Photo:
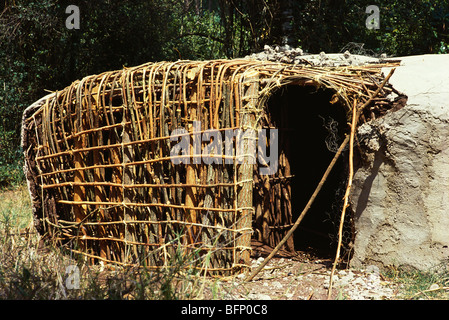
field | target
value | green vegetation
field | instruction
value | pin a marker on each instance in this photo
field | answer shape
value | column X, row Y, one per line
column 15, row 208
column 38, row 53
column 28, row 272
column 416, row 285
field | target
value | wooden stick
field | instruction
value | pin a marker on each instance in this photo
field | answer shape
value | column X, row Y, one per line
column 346, row 197
column 355, row 116
column 71, row 224
column 127, row 164
column 79, row 191
column 138, row 204
column 429, row 290
column 137, row 185
column 245, row 171
column 117, row 145
column 191, row 178
column 375, row 93
column 303, row 213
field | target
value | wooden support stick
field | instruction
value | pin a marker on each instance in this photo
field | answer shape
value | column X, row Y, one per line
column 191, row 179
column 245, row 171
column 355, row 117
column 303, row 213
column 346, row 197
column 79, row 192
column 99, row 192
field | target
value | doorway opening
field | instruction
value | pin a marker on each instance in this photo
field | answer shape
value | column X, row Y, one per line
column 310, row 130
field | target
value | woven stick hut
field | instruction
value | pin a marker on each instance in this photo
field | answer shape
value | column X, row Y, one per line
column 105, row 179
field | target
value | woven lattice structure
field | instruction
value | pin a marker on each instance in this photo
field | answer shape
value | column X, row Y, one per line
column 104, row 179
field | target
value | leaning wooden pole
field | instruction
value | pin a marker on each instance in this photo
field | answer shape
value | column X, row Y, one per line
column 303, row 213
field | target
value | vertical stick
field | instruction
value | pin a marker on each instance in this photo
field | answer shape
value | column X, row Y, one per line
column 207, row 218
column 79, row 191
column 99, row 177
column 100, row 197
column 127, row 194
column 346, row 197
column 245, row 170
column 226, row 175
column 129, row 132
column 266, row 210
column 117, row 248
column 191, row 180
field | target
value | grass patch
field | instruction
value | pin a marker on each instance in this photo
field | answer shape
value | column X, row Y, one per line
column 15, row 208
column 420, row 285
column 30, row 269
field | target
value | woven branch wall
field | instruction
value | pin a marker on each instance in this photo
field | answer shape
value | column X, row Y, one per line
column 103, row 181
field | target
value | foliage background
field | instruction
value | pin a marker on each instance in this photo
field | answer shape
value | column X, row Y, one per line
column 38, row 53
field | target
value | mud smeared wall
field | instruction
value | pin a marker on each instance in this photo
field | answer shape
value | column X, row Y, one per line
column 400, row 193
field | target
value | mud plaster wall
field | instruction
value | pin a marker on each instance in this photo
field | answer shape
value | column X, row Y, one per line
column 400, row 194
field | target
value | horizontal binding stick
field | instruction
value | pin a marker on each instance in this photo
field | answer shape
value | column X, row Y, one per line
column 158, row 246
column 116, row 145
column 70, row 224
column 137, row 185
column 135, row 163
column 130, row 204
column 147, row 267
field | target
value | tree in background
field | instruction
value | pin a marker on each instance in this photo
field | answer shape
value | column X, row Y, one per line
column 38, row 52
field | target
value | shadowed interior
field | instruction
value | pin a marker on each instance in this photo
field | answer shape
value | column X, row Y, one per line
column 310, row 131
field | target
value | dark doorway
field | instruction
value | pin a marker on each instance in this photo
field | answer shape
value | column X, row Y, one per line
column 310, row 132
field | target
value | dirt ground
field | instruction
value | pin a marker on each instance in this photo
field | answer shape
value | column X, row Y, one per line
column 305, row 277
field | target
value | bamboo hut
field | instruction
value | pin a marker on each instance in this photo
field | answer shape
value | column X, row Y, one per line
column 109, row 180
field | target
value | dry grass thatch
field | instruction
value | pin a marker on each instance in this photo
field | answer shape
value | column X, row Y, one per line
column 102, row 179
